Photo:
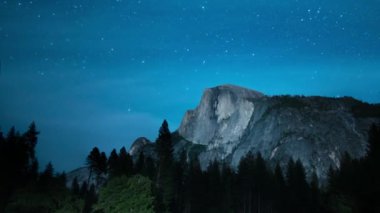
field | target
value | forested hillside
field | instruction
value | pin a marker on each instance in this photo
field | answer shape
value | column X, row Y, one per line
column 180, row 185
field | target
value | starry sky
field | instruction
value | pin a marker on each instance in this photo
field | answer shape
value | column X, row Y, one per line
column 104, row 72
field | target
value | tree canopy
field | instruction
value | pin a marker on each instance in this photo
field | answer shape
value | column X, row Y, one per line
column 126, row 194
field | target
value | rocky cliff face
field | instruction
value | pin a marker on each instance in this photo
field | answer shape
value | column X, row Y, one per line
column 230, row 121
column 221, row 118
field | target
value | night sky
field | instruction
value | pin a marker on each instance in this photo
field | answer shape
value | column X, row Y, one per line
column 102, row 73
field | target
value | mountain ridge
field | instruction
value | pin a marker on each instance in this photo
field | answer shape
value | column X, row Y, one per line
column 231, row 121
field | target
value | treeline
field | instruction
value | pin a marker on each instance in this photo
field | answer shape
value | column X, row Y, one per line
column 355, row 187
column 178, row 184
column 22, row 187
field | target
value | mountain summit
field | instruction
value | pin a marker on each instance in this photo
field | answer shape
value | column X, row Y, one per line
column 231, row 121
column 222, row 115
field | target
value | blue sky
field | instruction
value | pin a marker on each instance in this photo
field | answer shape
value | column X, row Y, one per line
column 102, row 73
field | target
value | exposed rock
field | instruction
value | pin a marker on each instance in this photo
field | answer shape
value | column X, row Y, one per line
column 138, row 145
column 180, row 145
column 82, row 175
column 142, row 145
column 231, row 121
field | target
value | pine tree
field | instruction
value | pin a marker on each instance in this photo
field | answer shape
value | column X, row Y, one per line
column 97, row 163
column 90, row 199
column 228, row 185
column 126, row 163
column 139, row 166
column 261, row 183
column 12, row 134
column 165, row 182
column 103, row 163
column 83, row 189
column 291, row 184
column 245, row 183
column 315, row 193
column 374, row 144
column 180, row 171
column 102, row 169
column 61, row 179
column 114, row 164
column 298, row 187
column 46, row 177
column 279, row 189
column 75, row 186
column 93, row 162
column 214, row 187
column 31, row 137
column 49, row 170
column 149, row 169
column 34, row 170
column 195, row 188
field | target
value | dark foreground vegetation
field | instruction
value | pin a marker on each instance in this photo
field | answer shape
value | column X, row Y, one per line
column 169, row 184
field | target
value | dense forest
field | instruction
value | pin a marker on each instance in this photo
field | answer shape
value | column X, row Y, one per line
column 178, row 184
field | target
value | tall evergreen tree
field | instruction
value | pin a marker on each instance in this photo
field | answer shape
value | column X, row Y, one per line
column 195, row 188
column 97, row 163
column 103, row 163
column 139, row 166
column 262, row 185
column 374, row 144
column 34, row 170
column 180, row 171
column 114, row 164
column 93, row 160
column 165, row 182
column 315, row 195
column 101, row 172
column 75, row 186
column 83, row 189
column 279, row 189
column 298, row 187
column 149, row 169
column 373, row 165
column 31, row 137
column 90, row 199
column 46, row 177
column 228, row 185
column 214, row 187
column 246, row 183
column 126, row 162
